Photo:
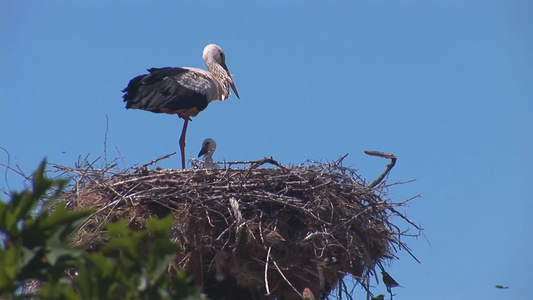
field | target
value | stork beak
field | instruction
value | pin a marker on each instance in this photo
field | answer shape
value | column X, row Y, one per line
column 234, row 89
column 231, row 82
column 202, row 151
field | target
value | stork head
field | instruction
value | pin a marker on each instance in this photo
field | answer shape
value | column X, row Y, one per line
column 215, row 61
column 208, row 147
column 214, row 52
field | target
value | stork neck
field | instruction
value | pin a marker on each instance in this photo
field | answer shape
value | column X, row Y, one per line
column 208, row 160
column 222, row 78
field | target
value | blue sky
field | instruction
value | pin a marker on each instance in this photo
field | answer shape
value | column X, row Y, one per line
column 446, row 86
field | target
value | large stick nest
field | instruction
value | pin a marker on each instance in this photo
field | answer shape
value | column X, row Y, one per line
column 253, row 232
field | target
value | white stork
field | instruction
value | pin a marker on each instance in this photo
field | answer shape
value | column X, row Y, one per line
column 182, row 91
column 208, row 148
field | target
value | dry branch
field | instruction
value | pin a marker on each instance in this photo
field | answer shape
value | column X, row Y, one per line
column 392, row 158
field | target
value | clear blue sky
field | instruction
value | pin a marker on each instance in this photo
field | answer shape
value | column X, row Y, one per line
column 446, row 86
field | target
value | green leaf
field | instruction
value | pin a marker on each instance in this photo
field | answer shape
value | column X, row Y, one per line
column 10, row 265
column 63, row 219
column 160, row 226
column 122, row 238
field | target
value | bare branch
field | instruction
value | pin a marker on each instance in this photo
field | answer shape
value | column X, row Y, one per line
column 389, row 166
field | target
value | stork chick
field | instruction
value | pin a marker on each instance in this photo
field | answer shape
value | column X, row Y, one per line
column 208, row 148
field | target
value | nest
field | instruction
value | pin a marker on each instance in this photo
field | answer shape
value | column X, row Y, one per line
column 253, row 232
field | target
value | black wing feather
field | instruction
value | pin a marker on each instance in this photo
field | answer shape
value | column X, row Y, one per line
column 162, row 91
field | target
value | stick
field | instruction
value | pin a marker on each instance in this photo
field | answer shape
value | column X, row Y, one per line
column 266, row 271
column 392, row 157
column 155, row 160
column 270, row 160
column 286, row 280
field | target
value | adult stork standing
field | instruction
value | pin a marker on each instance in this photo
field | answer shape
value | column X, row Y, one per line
column 182, row 91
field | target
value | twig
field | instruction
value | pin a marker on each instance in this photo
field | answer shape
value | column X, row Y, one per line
column 105, row 136
column 338, row 162
column 387, row 170
column 265, row 160
column 285, row 278
column 407, row 249
column 266, row 271
column 155, row 161
column 6, row 166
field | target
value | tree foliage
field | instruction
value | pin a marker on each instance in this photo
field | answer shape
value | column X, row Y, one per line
column 35, row 229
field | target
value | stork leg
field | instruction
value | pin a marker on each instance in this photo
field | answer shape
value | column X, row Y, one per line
column 182, row 141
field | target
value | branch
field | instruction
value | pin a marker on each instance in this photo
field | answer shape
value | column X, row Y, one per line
column 270, row 160
column 155, row 161
column 392, row 157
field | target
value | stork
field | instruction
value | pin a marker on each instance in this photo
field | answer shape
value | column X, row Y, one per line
column 208, row 148
column 182, row 91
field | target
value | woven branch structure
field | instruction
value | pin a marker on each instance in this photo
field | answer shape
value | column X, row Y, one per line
column 253, row 232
